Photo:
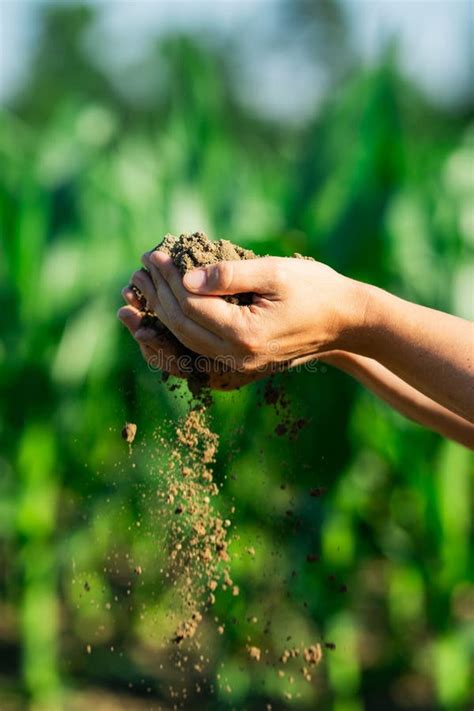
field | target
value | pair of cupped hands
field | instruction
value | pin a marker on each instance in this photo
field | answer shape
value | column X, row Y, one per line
column 301, row 310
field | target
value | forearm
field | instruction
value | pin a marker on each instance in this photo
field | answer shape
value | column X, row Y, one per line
column 401, row 396
column 428, row 349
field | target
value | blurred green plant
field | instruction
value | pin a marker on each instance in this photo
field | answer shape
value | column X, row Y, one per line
column 380, row 185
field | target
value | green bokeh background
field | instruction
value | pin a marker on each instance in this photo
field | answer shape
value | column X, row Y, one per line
column 379, row 184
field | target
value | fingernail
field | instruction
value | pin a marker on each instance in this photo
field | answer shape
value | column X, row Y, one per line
column 195, row 279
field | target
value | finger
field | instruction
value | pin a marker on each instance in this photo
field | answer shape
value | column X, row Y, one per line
column 261, row 276
column 156, row 259
column 143, row 281
column 131, row 317
column 130, row 297
column 147, row 283
column 213, row 314
column 191, row 334
column 158, row 351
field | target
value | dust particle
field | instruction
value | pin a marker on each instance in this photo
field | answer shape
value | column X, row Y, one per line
column 254, row 653
column 129, row 432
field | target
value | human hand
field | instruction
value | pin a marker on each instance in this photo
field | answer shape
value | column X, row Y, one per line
column 300, row 308
column 162, row 351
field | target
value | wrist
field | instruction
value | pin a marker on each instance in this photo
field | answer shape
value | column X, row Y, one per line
column 352, row 332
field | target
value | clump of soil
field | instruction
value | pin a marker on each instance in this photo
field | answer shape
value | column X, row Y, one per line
column 129, row 432
column 254, row 653
column 190, row 251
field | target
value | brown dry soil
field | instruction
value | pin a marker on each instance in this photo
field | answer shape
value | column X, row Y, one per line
column 129, row 432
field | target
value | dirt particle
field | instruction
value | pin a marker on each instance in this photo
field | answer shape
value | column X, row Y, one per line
column 129, row 432
column 313, row 654
column 289, row 654
column 254, row 653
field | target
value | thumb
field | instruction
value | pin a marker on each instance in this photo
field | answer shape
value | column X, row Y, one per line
column 234, row 277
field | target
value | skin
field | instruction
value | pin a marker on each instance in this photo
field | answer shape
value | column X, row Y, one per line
column 417, row 359
column 402, row 397
column 159, row 352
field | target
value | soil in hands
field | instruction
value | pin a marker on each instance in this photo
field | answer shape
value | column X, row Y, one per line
column 190, row 251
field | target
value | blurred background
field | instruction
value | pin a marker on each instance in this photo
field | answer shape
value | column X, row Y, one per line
column 339, row 129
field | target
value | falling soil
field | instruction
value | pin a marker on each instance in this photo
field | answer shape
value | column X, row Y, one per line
column 197, row 532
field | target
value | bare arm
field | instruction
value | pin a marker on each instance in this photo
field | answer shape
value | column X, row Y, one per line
column 403, row 397
column 301, row 310
column 430, row 350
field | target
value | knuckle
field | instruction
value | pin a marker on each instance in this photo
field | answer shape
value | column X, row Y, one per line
column 278, row 272
column 186, row 306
